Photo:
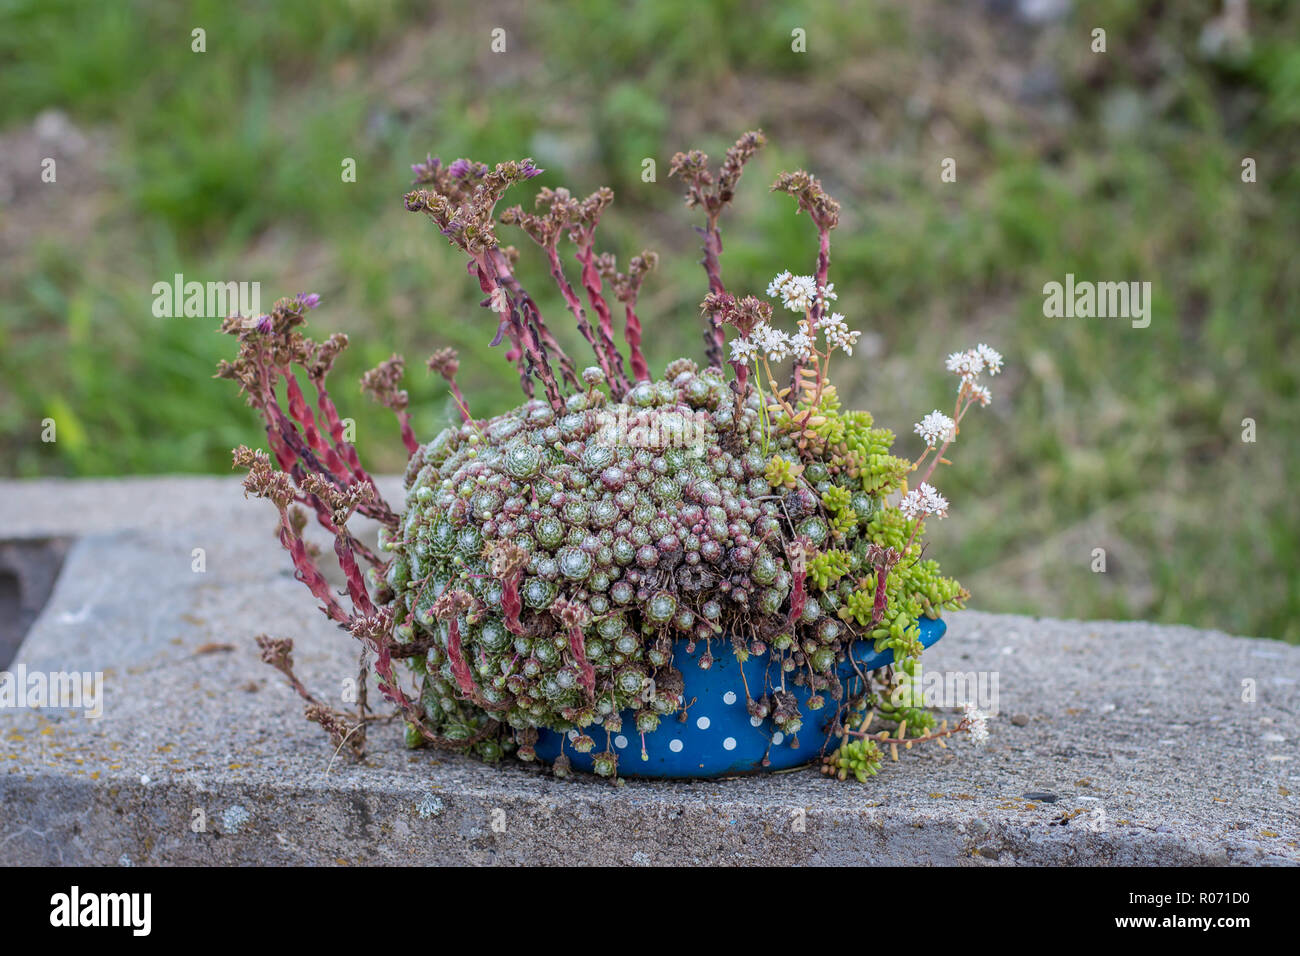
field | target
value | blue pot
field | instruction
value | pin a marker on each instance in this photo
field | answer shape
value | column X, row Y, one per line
column 719, row 738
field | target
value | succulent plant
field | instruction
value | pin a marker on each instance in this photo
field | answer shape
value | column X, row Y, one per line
column 548, row 561
column 858, row 758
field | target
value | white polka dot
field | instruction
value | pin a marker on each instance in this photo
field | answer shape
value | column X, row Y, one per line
column 756, row 721
column 702, row 723
column 778, row 737
column 729, row 697
column 675, row 746
column 620, row 741
column 729, row 743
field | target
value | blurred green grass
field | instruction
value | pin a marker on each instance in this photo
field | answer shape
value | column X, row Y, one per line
column 1125, row 166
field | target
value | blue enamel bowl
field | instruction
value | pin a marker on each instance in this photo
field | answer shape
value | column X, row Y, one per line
column 719, row 738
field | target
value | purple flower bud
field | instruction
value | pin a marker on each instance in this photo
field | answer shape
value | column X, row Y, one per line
column 308, row 300
column 459, row 169
column 264, row 324
column 427, row 170
column 529, row 170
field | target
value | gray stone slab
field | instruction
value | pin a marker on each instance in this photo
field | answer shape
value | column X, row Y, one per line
column 1140, row 731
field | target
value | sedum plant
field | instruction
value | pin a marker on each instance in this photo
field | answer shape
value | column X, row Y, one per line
column 548, row 562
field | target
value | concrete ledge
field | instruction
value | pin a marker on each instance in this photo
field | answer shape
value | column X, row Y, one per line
column 1139, row 731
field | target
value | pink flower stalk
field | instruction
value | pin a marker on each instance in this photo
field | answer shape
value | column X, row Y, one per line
column 459, row 669
column 511, row 604
column 798, row 593
column 586, row 673
column 627, row 288
column 615, row 375
column 713, row 195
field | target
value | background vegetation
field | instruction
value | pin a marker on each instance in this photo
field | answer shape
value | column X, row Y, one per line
column 225, row 165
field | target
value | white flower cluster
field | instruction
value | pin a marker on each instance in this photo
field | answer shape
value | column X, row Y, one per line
column 837, row 332
column 977, row 723
column 923, row 501
column 972, row 362
column 935, row 428
column 774, row 342
column 801, row 344
column 969, row 365
column 798, row 293
column 742, row 350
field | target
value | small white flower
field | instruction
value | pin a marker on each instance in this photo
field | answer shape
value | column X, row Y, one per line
column 832, row 322
column 798, row 294
column 795, row 292
column 827, row 292
column 911, row 505
column 772, row 341
column 967, row 364
column 801, row 345
column 923, row 501
column 991, row 358
column 499, row 302
column 935, row 428
column 935, row 503
column 976, row 723
column 845, row 341
column 742, row 350
column 774, row 287
column 837, row 332
column 980, row 393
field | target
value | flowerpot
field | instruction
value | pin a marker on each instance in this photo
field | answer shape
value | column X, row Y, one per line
column 719, row 737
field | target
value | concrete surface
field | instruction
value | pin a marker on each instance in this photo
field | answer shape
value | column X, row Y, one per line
column 1115, row 743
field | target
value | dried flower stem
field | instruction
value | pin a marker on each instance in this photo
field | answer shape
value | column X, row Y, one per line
column 885, row 737
column 534, row 316
column 714, row 337
column 615, row 375
column 570, row 296
column 629, row 289
column 534, row 352
column 713, row 196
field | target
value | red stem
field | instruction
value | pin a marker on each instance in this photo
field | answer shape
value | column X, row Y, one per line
column 533, row 352
column 356, row 581
column 460, row 401
column 714, row 336
column 632, row 332
column 459, row 669
column 534, row 316
column 823, row 268
column 586, row 673
column 335, row 425
column 511, row 605
column 878, row 608
column 302, row 413
column 579, row 313
column 408, row 433
column 514, row 354
column 307, row 572
column 297, row 456
column 592, row 283
column 798, row 595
